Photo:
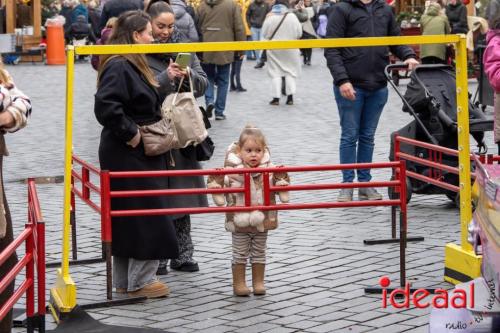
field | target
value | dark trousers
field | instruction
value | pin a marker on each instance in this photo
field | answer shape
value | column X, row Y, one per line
column 236, row 74
column 307, row 54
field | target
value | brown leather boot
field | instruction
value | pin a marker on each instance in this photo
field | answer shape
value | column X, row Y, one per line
column 239, row 283
column 258, row 279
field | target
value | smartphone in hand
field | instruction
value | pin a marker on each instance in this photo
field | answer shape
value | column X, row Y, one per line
column 183, row 59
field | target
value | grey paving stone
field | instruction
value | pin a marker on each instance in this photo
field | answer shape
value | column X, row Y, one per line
column 332, row 326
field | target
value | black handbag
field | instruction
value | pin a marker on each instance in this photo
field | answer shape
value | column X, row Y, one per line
column 204, row 150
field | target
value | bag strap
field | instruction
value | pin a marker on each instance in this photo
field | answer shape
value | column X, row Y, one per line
column 182, row 81
column 279, row 25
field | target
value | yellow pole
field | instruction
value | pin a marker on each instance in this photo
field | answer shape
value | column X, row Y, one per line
column 461, row 264
column 463, row 141
column 67, row 161
column 63, row 294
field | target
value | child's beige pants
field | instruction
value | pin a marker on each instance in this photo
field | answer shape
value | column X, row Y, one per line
column 249, row 245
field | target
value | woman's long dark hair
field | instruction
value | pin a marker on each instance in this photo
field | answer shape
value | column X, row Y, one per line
column 123, row 33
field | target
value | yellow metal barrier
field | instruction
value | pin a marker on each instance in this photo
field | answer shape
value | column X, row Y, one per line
column 460, row 261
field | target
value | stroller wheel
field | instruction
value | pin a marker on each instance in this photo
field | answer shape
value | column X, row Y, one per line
column 395, row 195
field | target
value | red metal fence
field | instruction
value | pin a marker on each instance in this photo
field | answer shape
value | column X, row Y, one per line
column 434, row 162
column 104, row 195
column 34, row 259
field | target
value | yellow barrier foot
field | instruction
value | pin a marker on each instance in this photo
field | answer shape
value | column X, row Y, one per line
column 460, row 265
column 62, row 296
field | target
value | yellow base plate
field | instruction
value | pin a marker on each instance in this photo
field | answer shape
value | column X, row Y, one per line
column 460, row 265
column 63, row 294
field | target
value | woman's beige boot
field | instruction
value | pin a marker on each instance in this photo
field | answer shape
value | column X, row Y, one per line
column 258, row 271
column 239, row 283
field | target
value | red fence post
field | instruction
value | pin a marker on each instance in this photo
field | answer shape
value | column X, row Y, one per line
column 41, row 275
column 72, row 220
column 403, row 224
column 106, row 229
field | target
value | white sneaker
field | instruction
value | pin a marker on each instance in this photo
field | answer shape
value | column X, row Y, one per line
column 345, row 195
column 369, row 193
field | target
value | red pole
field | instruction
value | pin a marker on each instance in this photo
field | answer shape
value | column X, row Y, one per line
column 30, row 276
column 85, row 181
column 41, row 267
column 106, row 229
column 403, row 224
column 266, row 186
column 248, row 197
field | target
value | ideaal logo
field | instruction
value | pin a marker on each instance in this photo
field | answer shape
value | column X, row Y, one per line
column 458, row 298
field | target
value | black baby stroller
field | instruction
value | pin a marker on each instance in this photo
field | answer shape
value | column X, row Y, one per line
column 431, row 99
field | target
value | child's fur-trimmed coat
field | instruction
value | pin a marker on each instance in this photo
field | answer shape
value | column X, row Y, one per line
column 254, row 221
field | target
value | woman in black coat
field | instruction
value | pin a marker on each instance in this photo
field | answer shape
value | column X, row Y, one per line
column 127, row 98
column 164, row 31
column 457, row 16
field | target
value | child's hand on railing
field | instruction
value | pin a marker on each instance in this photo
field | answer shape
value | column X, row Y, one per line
column 282, row 179
column 217, row 181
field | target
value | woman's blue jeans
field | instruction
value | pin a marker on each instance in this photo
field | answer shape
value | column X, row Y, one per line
column 358, row 121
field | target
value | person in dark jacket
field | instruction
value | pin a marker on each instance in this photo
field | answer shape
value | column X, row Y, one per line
column 94, row 17
column 79, row 9
column 359, row 82
column 113, row 8
column 66, row 9
column 256, row 14
column 165, row 31
column 80, row 30
column 126, row 98
column 457, row 16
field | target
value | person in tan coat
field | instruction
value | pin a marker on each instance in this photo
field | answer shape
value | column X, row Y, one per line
column 249, row 229
column 219, row 21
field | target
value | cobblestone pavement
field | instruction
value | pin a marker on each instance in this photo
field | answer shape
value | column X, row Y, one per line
column 317, row 266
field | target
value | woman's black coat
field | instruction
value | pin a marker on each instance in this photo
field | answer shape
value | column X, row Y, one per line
column 181, row 159
column 123, row 101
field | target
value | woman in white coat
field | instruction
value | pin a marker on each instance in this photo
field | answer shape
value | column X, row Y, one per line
column 281, row 24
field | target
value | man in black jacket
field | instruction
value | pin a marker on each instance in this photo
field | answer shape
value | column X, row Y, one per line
column 359, row 82
column 256, row 14
column 113, row 8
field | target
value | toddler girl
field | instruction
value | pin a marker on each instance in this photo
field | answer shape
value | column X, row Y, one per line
column 249, row 229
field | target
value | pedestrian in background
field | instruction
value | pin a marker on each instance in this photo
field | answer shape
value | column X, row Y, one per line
column 165, row 32
column 183, row 20
column 491, row 61
column 127, row 98
column 79, row 9
column 105, row 34
column 433, row 22
column 457, row 16
column 256, row 15
column 113, row 8
column 235, row 74
column 94, row 16
column 281, row 24
column 249, row 229
column 219, row 21
column 308, row 31
column 15, row 108
column 360, row 86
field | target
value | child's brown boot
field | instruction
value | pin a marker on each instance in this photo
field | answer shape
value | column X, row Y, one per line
column 239, row 283
column 258, row 279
